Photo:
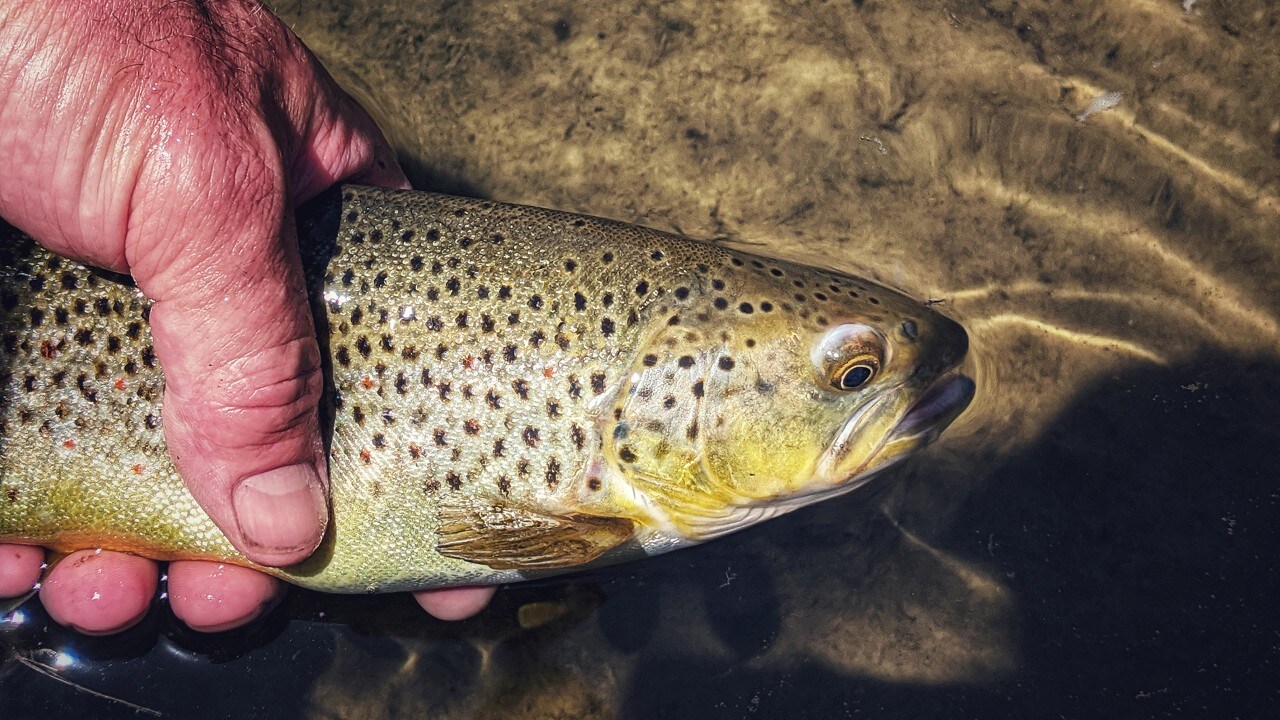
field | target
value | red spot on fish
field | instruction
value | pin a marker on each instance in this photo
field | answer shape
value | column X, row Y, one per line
column 48, row 350
column 137, row 469
column 120, row 384
column 69, row 444
column 366, row 457
column 367, row 383
column 548, row 372
column 469, row 362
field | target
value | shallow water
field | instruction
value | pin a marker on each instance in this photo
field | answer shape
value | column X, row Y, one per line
column 1095, row 537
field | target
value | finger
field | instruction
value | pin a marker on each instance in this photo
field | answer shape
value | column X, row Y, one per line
column 342, row 143
column 213, row 597
column 457, row 603
column 20, row 567
column 98, row 592
column 235, row 337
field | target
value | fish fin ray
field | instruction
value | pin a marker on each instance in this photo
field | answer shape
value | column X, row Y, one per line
column 509, row 538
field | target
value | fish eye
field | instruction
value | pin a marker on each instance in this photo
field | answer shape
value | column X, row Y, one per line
column 857, row 373
column 849, row 356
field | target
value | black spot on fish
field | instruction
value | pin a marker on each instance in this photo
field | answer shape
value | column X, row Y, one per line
column 387, row 343
column 69, row 282
column 499, row 447
column 607, row 327
column 444, row 389
column 626, row 454
column 521, row 386
column 699, row 389
column 409, row 352
column 531, row 436
column 452, row 285
column 380, row 280
column 522, row 467
column 720, row 303
column 579, row 302
column 553, row 472
column 642, row 288
column 597, row 383
column 363, row 347
column 509, row 353
column 454, row 479
column 570, row 265
column 745, row 308
column 486, row 322
column 575, row 387
column 379, row 440
column 692, row 431
column 87, row 392
column 493, row 399
column 537, row 338
column 440, row 437
column 471, row 426
column 461, row 319
column 553, row 409
column 685, row 361
column 669, row 401
column 149, row 356
column 725, row 362
column 535, row 302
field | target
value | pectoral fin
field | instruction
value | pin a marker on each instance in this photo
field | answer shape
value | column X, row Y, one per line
column 509, row 538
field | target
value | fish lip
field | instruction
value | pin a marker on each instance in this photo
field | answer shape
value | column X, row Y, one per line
column 940, row 403
column 924, row 420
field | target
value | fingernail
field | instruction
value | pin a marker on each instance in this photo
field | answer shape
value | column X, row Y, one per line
column 281, row 512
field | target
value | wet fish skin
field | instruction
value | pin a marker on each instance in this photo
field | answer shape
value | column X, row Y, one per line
column 514, row 392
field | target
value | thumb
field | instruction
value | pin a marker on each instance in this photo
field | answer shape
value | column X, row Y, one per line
column 236, row 339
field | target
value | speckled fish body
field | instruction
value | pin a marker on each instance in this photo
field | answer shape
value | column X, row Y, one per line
column 514, row 392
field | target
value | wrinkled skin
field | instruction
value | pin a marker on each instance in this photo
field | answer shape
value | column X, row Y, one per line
column 171, row 141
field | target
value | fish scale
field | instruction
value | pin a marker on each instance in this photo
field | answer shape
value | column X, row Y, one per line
column 510, row 391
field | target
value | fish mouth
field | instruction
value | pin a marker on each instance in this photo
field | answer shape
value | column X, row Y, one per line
column 941, row 403
column 921, row 423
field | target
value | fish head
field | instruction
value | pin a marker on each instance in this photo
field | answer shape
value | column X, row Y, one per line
column 781, row 386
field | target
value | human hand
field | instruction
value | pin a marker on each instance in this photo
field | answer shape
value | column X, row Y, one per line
column 171, row 140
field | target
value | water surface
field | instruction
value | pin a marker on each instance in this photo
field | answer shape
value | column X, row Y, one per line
column 1095, row 537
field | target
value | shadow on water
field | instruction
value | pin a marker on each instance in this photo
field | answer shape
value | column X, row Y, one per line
column 1138, row 540
column 1132, row 550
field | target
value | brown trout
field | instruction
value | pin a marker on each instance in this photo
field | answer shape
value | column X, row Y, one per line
column 512, row 392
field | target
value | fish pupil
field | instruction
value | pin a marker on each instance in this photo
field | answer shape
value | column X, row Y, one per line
column 855, row 377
